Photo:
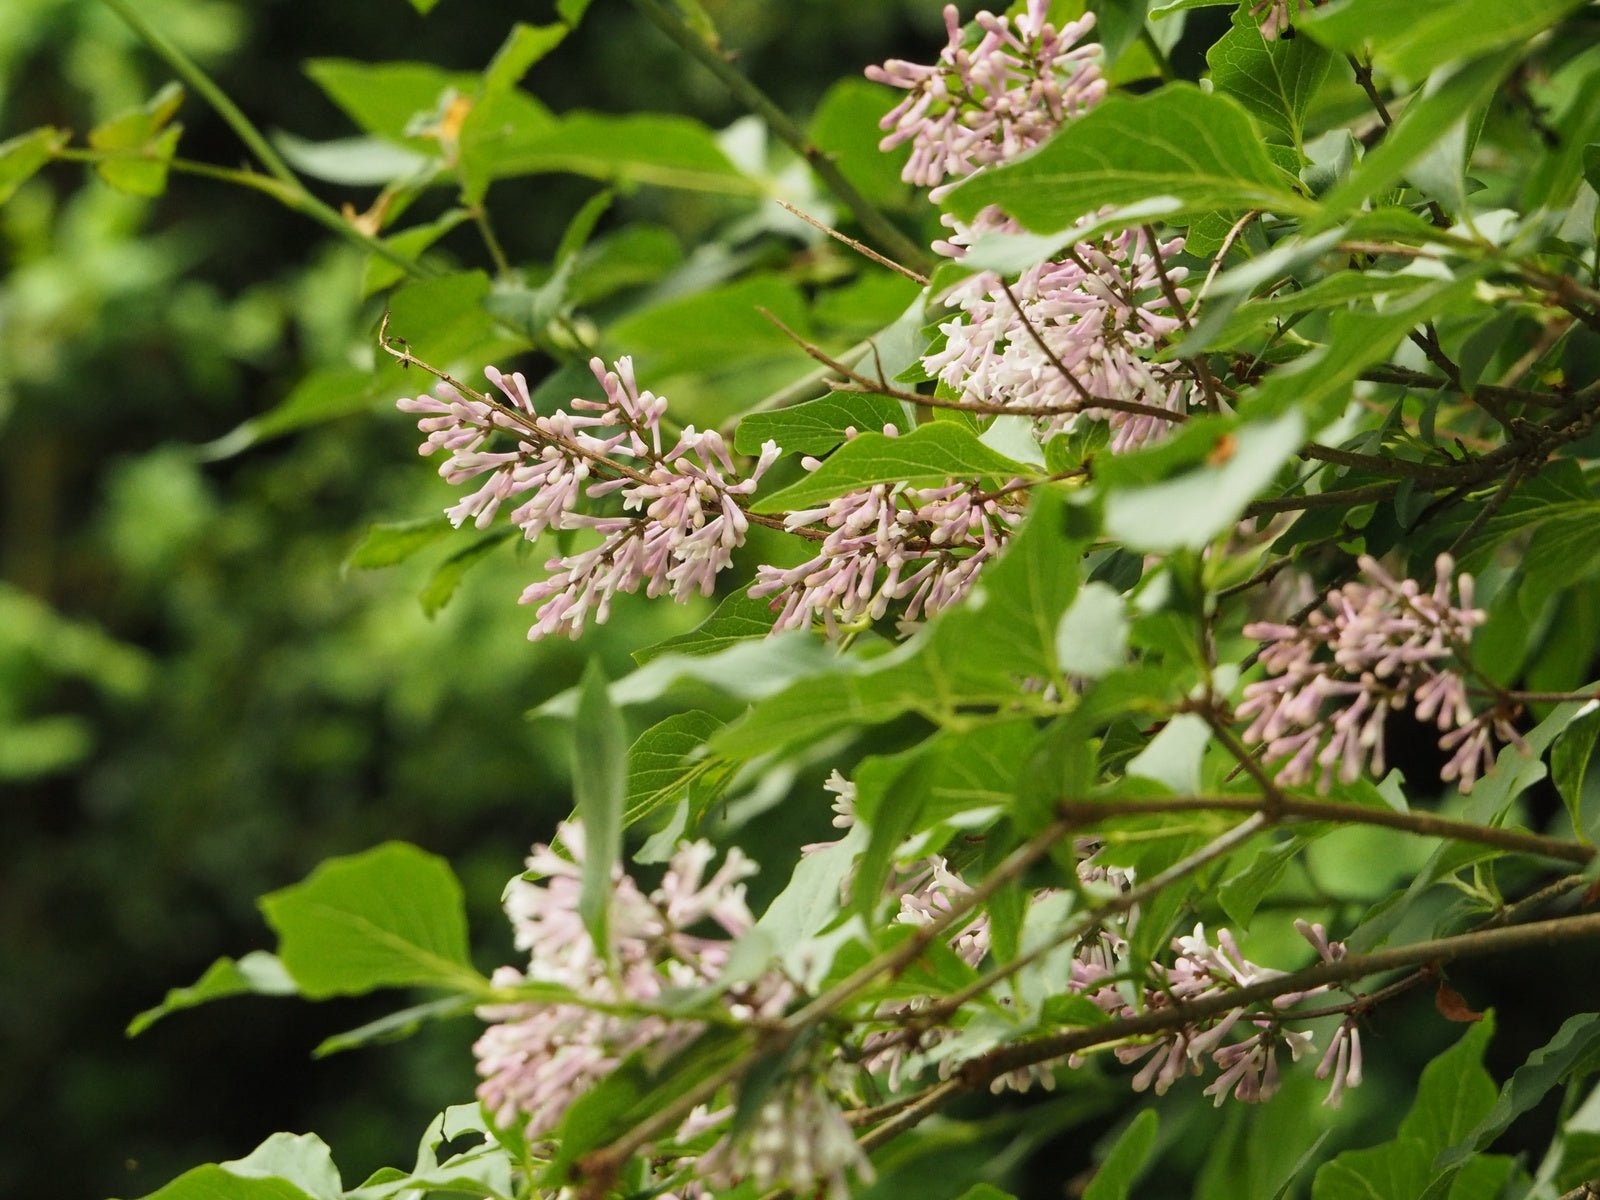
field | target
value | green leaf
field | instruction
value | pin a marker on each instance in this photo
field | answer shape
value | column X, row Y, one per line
column 891, row 791
column 1186, row 511
column 1571, row 1051
column 599, row 778
column 632, row 1092
column 483, row 1170
column 651, row 148
column 385, row 98
column 1274, row 81
column 444, row 319
column 388, row 543
column 1427, row 119
column 721, row 335
column 1175, row 6
column 395, row 1026
column 284, row 1167
column 1092, row 638
column 1569, row 763
column 1012, row 613
column 447, row 576
column 355, row 161
column 138, row 145
column 1129, row 1158
column 257, row 973
column 389, row 917
column 662, row 771
column 21, row 157
column 524, row 46
column 1341, row 290
column 409, row 244
column 1410, row 42
column 985, row 1191
column 571, row 11
column 747, row 669
column 1452, row 1095
column 1176, row 152
column 1174, row 755
column 929, row 455
column 845, row 127
column 737, row 619
column 424, row 6
column 1241, row 894
column 818, row 426
column 1397, row 1168
column 324, row 395
column 1454, row 1092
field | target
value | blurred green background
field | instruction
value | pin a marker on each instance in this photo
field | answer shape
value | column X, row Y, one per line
column 196, row 704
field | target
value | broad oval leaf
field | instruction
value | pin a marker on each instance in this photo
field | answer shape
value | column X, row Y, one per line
column 389, row 917
column 1200, row 151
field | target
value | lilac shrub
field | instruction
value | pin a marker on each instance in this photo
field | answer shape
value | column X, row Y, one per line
column 1033, row 537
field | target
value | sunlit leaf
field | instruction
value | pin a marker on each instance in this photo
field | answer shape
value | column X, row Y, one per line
column 389, row 917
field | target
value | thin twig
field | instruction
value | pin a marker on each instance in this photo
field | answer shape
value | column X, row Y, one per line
column 860, row 248
column 190, row 72
column 711, row 56
column 1488, row 509
column 1422, row 824
column 1233, row 236
column 1198, row 363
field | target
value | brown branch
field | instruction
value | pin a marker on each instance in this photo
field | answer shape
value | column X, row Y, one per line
column 980, row 1071
column 1198, row 364
column 1379, row 464
column 1288, row 807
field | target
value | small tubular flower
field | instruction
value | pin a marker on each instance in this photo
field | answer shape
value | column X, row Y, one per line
column 1277, row 16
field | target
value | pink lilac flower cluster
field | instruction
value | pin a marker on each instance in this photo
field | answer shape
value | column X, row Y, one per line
column 1378, row 645
column 682, row 515
column 886, row 544
column 798, row 1140
column 539, row 1056
column 1247, row 1066
column 988, row 102
column 1068, row 332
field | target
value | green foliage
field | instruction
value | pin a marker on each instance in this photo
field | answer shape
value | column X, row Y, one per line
column 389, row 917
column 1172, row 154
column 138, row 146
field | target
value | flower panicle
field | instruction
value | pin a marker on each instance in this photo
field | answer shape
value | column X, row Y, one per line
column 887, row 544
column 991, row 100
column 682, row 504
column 1067, row 332
column 1377, row 645
column 537, row 1059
